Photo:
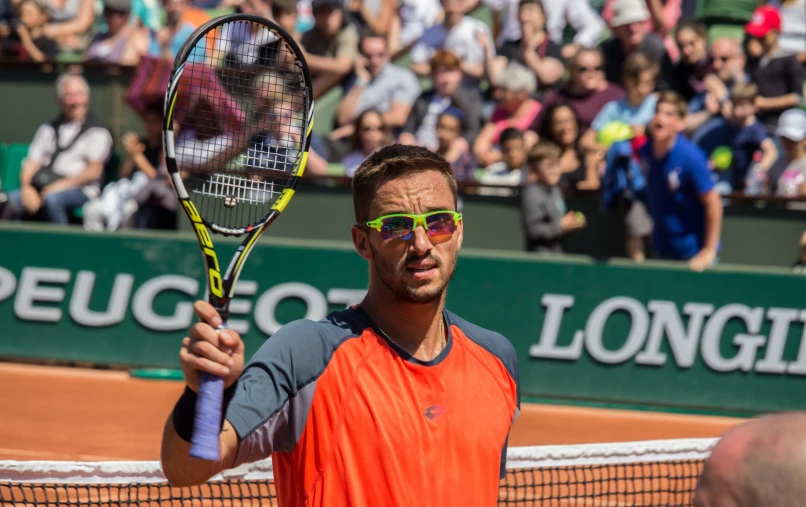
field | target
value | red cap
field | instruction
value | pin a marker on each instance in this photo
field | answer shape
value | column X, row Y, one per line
column 765, row 19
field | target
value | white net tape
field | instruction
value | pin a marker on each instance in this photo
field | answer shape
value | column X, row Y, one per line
column 149, row 472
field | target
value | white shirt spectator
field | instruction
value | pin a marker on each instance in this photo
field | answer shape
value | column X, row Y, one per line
column 459, row 40
column 793, row 27
column 587, row 23
column 392, row 84
column 241, row 43
column 416, row 16
column 94, row 145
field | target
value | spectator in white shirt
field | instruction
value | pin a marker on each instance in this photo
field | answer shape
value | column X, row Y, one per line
column 458, row 34
column 379, row 85
column 578, row 14
column 414, row 18
column 66, row 159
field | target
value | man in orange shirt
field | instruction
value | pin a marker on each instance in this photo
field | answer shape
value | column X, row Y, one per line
column 395, row 401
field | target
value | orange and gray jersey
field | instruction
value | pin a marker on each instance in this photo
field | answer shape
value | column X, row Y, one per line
column 350, row 419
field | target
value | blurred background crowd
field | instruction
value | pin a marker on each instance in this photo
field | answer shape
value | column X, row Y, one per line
column 571, row 82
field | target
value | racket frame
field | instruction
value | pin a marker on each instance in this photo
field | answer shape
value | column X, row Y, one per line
column 205, row 442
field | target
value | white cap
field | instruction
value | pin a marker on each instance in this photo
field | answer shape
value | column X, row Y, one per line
column 626, row 12
column 792, row 125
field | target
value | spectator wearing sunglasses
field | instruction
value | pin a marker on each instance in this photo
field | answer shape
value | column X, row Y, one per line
column 629, row 36
column 708, row 109
column 586, row 91
column 371, row 134
column 779, row 75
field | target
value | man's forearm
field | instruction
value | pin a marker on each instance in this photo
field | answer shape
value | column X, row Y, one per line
column 713, row 221
column 29, row 168
column 346, row 111
column 778, row 103
column 474, row 70
column 181, row 469
column 325, row 65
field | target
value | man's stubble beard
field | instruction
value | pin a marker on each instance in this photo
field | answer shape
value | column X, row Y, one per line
column 404, row 292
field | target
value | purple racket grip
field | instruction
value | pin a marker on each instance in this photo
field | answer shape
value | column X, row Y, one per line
column 207, row 423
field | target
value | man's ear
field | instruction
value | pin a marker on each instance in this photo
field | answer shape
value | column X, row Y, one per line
column 361, row 242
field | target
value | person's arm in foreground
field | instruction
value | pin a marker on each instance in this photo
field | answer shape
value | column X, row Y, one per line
column 713, row 227
column 219, row 353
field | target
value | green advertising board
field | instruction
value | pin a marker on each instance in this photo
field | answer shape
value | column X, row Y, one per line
column 653, row 335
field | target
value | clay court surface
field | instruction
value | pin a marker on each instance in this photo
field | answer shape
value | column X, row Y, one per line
column 59, row 413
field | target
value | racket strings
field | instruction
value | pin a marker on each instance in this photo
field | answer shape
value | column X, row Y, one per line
column 240, row 122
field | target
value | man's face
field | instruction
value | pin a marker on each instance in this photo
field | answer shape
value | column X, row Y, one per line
column 328, row 20
column 589, row 73
column 174, row 9
column 531, row 18
column 725, row 59
column 416, row 270
column 691, row 45
column 75, row 101
column 446, row 80
column 631, row 35
column 666, row 123
column 374, row 50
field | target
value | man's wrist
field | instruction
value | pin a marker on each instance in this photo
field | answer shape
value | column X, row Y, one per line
column 184, row 413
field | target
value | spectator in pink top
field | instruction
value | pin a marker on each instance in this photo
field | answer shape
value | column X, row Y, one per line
column 664, row 17
column 515, row 109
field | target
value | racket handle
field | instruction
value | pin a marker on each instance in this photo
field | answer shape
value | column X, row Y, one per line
column 207, row 423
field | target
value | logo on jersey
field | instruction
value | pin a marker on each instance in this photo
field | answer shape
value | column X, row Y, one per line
column 435, row 411
column 674, row 179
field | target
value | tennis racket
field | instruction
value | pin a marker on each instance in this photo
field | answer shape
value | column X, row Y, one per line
column 238, row 120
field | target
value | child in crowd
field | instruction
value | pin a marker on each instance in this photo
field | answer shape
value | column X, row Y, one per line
column 511, row 170
column 546, row 221
column 449, row 129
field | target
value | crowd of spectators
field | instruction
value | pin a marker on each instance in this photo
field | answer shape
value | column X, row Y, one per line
column 654, row 105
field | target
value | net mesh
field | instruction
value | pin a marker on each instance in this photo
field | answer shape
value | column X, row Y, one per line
column 652, row 473
column 239, row 122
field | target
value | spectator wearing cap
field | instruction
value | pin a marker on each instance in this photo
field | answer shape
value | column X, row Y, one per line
column 446, row 74
column 378, row 84
column 449, row 130
column 331, row 46
column 533, row 49
column 458, row 34
column 122, row 43
column 559, row 16
column 630, row 35
column 664, row 17
column 792, row 131
column 779, row 76
column 516, row 109
column 586, row 91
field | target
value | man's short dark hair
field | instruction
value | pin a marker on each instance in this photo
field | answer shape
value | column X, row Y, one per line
column 508, row 134
column 392, row 162
column 370, row 35
column 695, row 26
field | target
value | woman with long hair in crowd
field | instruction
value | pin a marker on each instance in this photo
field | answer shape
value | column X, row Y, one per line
column 562, row 126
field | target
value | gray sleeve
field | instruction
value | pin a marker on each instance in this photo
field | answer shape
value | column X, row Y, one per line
column 274, row 393
column 535, row 216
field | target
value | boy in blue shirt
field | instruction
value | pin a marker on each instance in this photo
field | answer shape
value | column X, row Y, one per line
column 685, row 207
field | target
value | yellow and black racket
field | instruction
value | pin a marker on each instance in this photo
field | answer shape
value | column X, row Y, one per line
column 238, row 121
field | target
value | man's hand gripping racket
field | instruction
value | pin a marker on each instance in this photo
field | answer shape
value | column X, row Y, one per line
column 236, row 133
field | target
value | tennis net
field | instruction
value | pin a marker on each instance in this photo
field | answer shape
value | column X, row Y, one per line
column 650, row 473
